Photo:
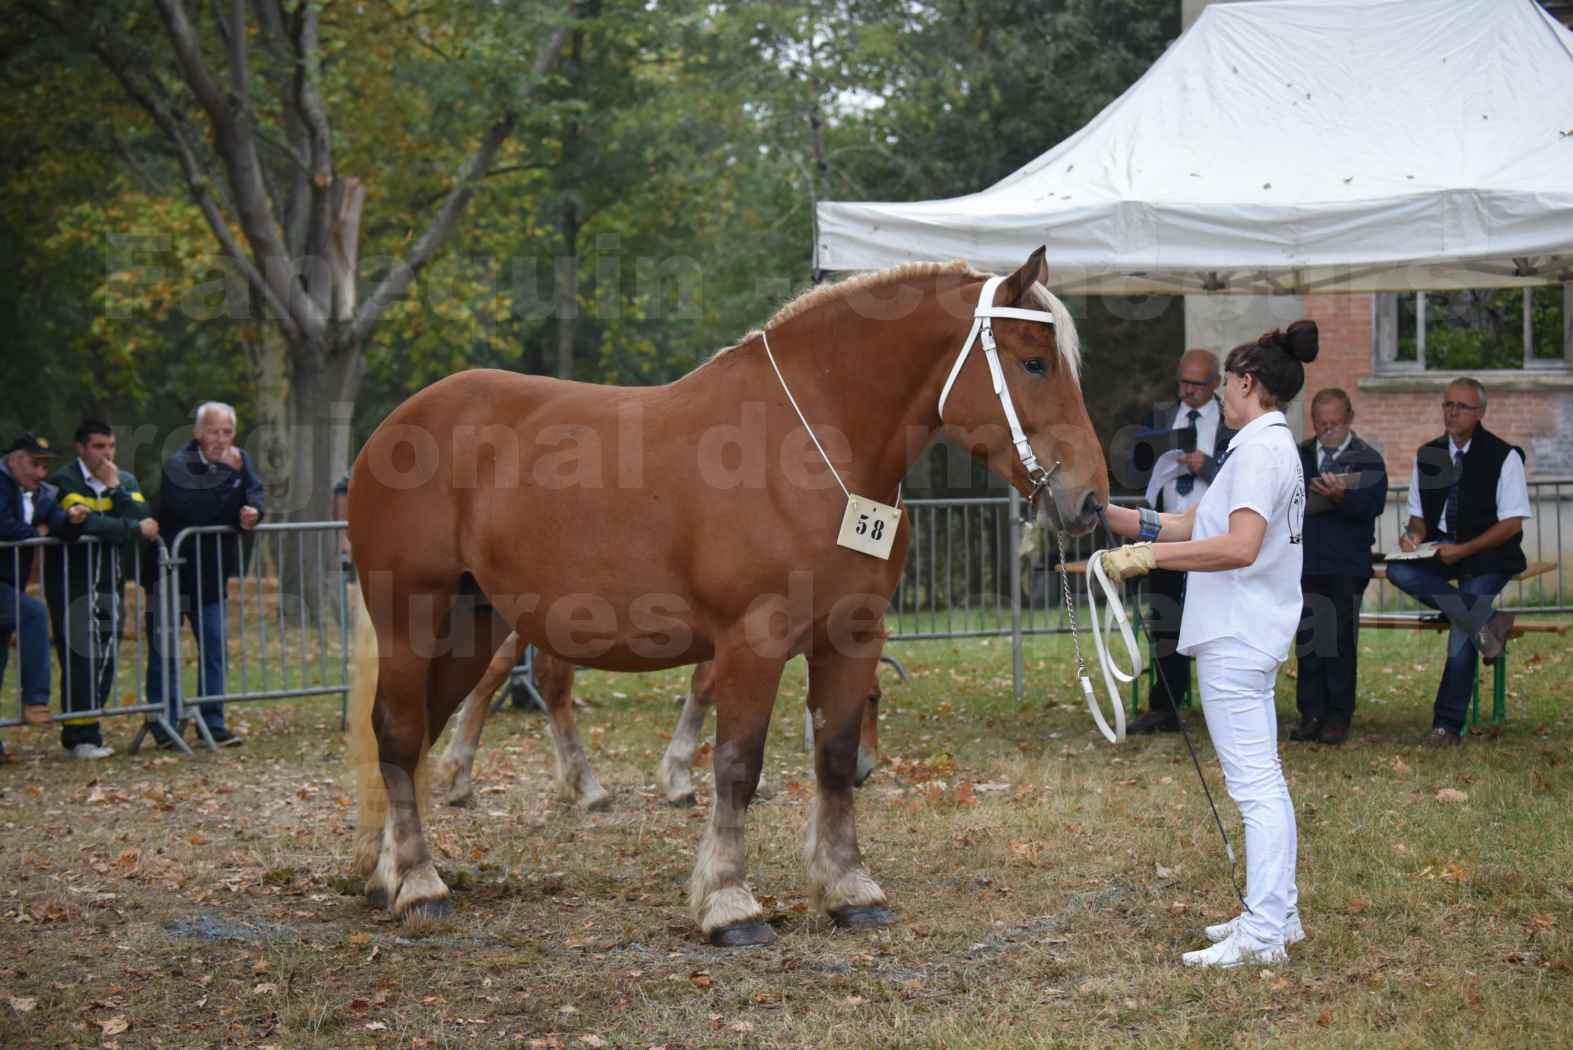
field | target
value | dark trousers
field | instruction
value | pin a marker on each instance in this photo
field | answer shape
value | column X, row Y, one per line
column 1328, row 646
column 1467, row 607
column 208, row 625
column 23, row 615
column 1165, row 606
column 86, row 628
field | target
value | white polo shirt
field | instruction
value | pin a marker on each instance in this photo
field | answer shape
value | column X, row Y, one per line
column 1258, row 603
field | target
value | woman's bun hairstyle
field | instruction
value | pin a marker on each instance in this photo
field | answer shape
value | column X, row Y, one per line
column 1299, row 341
column 1277, row 360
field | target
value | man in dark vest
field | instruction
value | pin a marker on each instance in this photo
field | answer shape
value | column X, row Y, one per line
column 1198, row 408
column 1468, row 496
column 1347, row 482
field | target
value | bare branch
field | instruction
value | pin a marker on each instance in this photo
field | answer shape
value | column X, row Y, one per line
column 510, row 169
column 188, row 53
column 405, row 271
column 237, row 149
column 199, row 183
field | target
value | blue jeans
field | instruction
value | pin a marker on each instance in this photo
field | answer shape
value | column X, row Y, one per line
column 32, row 643
column 209, row 628
column 1467, row 607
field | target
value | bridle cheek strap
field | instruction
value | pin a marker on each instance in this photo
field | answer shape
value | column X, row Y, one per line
column 983, row 333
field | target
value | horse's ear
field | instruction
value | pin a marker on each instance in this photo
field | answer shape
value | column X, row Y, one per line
column 1034, row 271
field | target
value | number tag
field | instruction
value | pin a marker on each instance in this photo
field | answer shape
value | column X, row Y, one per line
column 869, row 527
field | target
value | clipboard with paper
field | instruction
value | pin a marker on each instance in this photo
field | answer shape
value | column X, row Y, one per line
column 1316, row 503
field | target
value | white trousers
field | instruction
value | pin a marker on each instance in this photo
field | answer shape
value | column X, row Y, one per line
column 1237, row 700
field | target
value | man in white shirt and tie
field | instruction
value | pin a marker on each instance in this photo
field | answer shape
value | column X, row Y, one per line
column 1198, row 408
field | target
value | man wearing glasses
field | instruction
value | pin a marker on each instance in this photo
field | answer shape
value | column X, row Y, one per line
column 1468, row 496
column 1197, row 408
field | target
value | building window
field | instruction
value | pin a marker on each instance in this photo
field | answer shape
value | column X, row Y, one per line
column 1475, row 330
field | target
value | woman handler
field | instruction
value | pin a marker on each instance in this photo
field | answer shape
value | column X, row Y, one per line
column 1241, row 547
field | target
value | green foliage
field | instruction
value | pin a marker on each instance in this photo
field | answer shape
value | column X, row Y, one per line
column 687, row 144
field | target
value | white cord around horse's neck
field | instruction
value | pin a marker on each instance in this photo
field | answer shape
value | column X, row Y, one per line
column 793, row 402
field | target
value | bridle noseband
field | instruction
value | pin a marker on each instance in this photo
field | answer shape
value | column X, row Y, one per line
column 983, row 332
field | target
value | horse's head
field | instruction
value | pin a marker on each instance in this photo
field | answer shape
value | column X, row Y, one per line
column 1028, row 367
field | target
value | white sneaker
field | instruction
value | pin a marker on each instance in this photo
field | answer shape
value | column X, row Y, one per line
column 1294, row 933
column 1235, row 951
column 91, row 751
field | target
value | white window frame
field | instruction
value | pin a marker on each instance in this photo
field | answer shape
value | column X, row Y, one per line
column 1384, row 329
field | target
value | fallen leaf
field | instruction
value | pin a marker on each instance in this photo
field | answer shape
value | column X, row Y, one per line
column 700, row 979
column 23, row 1006
column 592, row 1040
column 376, row 1026
column 359, row 939
column 114, row 1026
column 1324, row 1018
column 1452, row 795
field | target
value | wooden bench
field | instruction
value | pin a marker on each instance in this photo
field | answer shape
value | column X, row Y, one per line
column 1398, row 622
column 1392, row 622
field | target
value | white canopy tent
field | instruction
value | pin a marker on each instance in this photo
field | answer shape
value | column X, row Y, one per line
column 1287, row 146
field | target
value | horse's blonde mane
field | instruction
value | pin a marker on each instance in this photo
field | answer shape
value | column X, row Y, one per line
column 1064, row 326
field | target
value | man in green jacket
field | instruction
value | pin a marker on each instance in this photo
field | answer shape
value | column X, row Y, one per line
column 84, row 587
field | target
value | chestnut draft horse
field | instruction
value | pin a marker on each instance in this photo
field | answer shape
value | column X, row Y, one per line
column 576, row 781
column 694, row 521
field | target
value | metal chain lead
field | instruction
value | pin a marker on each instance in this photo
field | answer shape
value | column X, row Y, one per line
column 1063, row 542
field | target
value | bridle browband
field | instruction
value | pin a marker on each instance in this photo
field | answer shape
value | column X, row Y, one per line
column 983, row 332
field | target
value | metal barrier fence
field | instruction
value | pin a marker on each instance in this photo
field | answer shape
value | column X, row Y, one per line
column 268, row 609
column 283, row 615
column 961, row 580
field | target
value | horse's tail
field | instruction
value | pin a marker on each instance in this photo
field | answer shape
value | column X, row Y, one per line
column 371, row 792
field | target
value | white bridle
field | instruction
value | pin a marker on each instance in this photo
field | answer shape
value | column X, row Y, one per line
column 983, row 332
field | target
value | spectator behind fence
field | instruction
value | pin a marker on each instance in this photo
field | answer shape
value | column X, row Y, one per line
column 209, row 482
column 84, row 585
column 1197, row 408
column 1467, row 494
column 1340, row 529
column 29, row 508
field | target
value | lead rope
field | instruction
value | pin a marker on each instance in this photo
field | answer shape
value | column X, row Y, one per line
column 1095, row 566
column 1112, row 610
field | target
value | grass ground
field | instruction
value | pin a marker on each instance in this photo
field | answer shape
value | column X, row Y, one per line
column 1046, row 884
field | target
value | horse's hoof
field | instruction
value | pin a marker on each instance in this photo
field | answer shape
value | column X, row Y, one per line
column 428, row 911
column 742, row 935
column 462, row 802
column 872, row 917
column 596, row 803
column 377, row 898
column 688, row 801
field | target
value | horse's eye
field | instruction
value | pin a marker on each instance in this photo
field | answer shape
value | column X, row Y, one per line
column 1035, row 366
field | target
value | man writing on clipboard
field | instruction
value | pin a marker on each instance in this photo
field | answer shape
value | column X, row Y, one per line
column 1180, row 479
column 1468, row 496
column 1346, row 487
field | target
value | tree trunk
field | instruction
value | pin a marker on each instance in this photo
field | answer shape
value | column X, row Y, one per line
column 271, row 444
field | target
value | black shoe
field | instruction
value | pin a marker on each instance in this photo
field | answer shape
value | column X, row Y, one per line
column 1334, row 732
column 1308, row 729
column 1439, row 737
column 224, row 738
column 1431, row 619
column 1154, row 722
column 1492, row 638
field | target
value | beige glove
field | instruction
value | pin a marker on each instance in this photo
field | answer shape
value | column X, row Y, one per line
column 1135, row 559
